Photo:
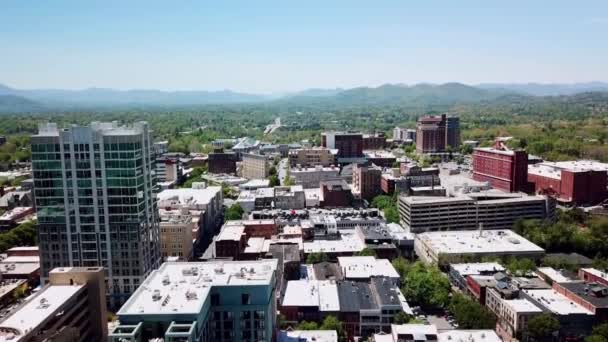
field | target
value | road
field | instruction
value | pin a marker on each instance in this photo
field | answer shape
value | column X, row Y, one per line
column 282, row 169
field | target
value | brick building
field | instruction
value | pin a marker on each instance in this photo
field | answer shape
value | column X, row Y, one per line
column 571, row 182
column 366, row 181
column 375, row 141
column 431, row 134
column 503, row 168
column 348, row 144
column 335, row 194
column 222, row 162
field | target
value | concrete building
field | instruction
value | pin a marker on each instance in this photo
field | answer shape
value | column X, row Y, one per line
column 366, row 181
column 203, row 301
column 429, row 332
column 408, row 176
column 168, row 169
column 503, row 168
column 572, row 182
column 161, row 147
column 313, row 156
column 404, row 134
column 380, row 158
column 458, row 273
column 492, row 211
column 96, row 201
column 307, row 336
column 255, row 166
column 367, row 267
column 204, row 205
column 435, row 133
column 348, row 144
column 70, row 308
column 176, row 237
column 452, row 246
column 280, row 197
column 311, row 177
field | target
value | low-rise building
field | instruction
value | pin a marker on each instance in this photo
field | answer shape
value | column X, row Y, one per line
column 255, row 166
column 14, row 217
column 429, row 332
column 451, row 246
column 176, row 237
column 168, row 169
column 590, row 295
column 280, row 197
column 380, row 158
column 376, row 141
column 458, row 273
column 313, row 156
column 71, row 307
column 367, row 267
column 202, row 301
column 334, row 194
column 593, row 275
column 311, row 177
column 307, row 336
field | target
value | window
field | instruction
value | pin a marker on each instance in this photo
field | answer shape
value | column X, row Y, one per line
column 245, row 300
column 215, row 299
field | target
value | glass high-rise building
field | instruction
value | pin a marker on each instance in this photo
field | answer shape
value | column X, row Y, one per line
column 95, row 193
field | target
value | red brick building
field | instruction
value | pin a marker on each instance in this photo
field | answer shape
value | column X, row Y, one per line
column 590, row 295
column 335, row 194
column 431, row 134
column 348, row 144
column 593, row 275
column 374, row 141
column 572, row 182
column 366, row 181
column 503, row 168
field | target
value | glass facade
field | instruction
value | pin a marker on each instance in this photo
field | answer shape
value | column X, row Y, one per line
column 95, row 195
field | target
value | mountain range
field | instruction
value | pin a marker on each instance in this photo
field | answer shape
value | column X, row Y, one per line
column 19, row 100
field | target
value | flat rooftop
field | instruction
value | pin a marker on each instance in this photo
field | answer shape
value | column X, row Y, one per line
column 522, row 306
column 477, row 268
column 366, row 267
column 230, row 233
column 556, row 303
column 308, row 336
column 312, row 293
column 38, row 308
column 349, row 241
column 472, row 241
column 554, row 274
column 596, row 272
column 184, row 286
column 485, row 335
column 187, row 196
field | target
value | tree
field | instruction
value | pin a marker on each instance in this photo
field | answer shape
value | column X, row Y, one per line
column 520, row 267
column 304, row 325
column 401, row 318
column 402, row 266
column 315, row 258
column 274, row 181
column 366, row 252
column 272, row 171
column 426, row 286
column 541, row 327
column 470, row 314
column 391, row 214
column 600, row 331
column 235, row 212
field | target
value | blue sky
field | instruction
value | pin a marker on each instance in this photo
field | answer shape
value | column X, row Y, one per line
column 278, row 46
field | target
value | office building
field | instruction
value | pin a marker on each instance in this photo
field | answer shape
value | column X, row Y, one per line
column 366, row 181
column 161, row 147
column 489, row 211
column 312, row 177
column 348, row 144
column 335, row 194
column 404, row 134
column 452, row 132
column 376, row 141
column 176, row 235
column 449, row 247
column 70, row 308
column 168, row 170
column 313, row 156
column 255, row 166
column 581, row 182
column 503, row 168
column 221, row 162
column 380, row 158
column 409, row 176
column 202, row 301
column 96, row 201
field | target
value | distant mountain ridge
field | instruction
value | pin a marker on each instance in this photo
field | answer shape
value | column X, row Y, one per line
column 422, row 94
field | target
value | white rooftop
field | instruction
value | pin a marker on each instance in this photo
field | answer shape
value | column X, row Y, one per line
column 469, row 336
column 308, row 336
column 193, row 198
column 554, row 274
column 419, row 331
column 316, row 293
column 596, row 272
column 38, row 309
column 184, row 286
column 255, row 245
column 471, row 241
column 231, row 233
column 477, row 268
column 556, row 303
column 554, row 169
column 359, row 267
column 349, row 242
column 522, row 305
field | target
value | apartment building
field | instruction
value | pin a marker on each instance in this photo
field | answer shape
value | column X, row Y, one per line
column 176, row 236
column 216, row 301
column 95, row 194
column 254, row 166
column 503, row 168
column 366, row 181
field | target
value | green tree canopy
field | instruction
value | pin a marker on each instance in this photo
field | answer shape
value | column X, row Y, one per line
column 541, row 327
column 235, row 212
column 315, row 258
column 470, row 314
column 426, row 286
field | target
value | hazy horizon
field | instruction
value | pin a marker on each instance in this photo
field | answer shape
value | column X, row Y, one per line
column 274, row 47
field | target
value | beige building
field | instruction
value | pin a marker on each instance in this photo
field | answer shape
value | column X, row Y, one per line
column 254, row 166
column 313, row 156
column 176, row 237
column 312, row 177
column 70, row 308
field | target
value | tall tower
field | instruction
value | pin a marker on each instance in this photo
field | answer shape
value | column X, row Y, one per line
column 95, row 193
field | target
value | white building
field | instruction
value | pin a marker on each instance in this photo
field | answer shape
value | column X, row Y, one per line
column 311, row 177
column 366, row 267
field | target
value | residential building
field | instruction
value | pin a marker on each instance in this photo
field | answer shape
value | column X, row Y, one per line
column 176, row 237
column 221, row 162
column 71, row 308
column 503, row 168
column 580, row 182
column 203, row 301
column 366, row 181
column 404, row 134
column 348, row 144
column 96, row 201
column 313, row 156
column 311, row 177
column 255, row 166
column 446, row 247
column 472, row 211
column 334, row 194
column 376, row 141
column 458, row 273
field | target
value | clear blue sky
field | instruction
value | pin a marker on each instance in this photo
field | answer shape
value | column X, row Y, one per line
column 276, row 46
